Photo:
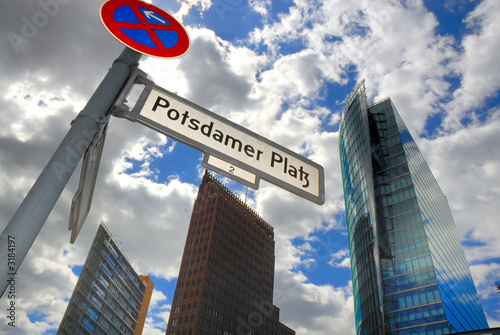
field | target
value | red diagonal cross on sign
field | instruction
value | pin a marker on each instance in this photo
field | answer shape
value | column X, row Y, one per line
column 145, row 28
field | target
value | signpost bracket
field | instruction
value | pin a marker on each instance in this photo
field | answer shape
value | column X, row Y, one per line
column 120, row 108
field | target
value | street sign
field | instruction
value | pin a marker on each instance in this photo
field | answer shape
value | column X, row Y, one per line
column 231, row 170
column 233, row 150
column 82, row 200
column 145, row 28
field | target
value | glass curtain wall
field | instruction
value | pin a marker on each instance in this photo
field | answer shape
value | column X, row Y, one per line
column 412, row 299
column 355, row 153
column 108, row 295
column 458, row 292
column 409, row 271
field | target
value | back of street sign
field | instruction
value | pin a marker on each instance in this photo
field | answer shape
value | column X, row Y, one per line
column 82, row 200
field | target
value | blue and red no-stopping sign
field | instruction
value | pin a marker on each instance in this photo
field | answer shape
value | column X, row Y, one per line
column 145, row 28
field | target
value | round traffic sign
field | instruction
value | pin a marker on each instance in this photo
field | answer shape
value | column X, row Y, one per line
column 145, row 28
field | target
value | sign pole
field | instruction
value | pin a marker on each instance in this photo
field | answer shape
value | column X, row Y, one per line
column 22, row 230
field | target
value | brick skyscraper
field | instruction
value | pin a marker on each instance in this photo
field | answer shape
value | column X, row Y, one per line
column 225, row 283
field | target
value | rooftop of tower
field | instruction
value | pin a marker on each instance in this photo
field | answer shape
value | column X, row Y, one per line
column 228, row 192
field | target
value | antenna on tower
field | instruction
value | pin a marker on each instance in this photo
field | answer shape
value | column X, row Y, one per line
column 246, row 193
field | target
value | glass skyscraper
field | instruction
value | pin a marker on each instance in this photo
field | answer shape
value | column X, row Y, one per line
column 110, row 298
column 409, row 272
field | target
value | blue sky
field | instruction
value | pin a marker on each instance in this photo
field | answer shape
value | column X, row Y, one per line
column 282, row 69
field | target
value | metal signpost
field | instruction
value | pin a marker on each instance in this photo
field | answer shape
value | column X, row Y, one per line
column 38, row 203
column 150, row 31
column 170, row 38
column 229, row 149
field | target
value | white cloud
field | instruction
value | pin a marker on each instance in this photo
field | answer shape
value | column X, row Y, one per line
column 466, row 165
column 156, row 298
column 313, row 309
column 407, row 60
column 485, row 276
column 158, row 314
column 394, row 47
column 477, row 66
column 343, row 256
column 186, row 6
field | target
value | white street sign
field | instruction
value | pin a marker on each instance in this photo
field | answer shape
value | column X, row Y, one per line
column 232, row 148
column 231, row 170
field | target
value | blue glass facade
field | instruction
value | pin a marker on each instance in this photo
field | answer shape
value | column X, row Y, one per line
column 109, row 297
column 409, row 271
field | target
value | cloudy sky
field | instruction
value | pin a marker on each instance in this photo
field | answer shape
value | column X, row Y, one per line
column 282, row 69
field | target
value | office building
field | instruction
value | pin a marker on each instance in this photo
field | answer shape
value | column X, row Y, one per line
column 489, row 331
column 226, row 278
column 409, row 272
column 109, row 297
